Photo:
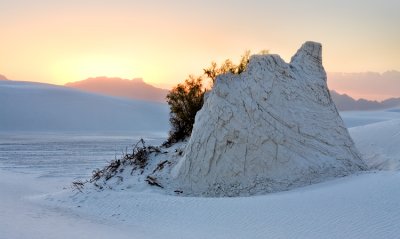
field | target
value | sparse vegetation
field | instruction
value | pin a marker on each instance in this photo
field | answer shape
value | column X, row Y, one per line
column 138, row 159
column 78, row 185
column 227, row 66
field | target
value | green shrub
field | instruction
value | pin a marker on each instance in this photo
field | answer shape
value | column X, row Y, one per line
column 184, row 101
column 227, row 66
column 186, row 98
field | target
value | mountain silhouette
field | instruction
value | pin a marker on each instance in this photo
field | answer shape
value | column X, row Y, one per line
column 344, row 103
column 366, row 85
column 3, row 77
column 114, row 86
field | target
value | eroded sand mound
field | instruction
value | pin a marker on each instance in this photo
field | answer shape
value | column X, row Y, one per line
column 271, row 128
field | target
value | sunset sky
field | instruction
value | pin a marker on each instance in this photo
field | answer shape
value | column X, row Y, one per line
column 164, row 41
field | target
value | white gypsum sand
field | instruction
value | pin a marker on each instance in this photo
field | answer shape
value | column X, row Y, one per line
column 359, row 206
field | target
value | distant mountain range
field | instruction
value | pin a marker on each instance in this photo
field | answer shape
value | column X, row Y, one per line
column 132, row 89
column 345, row 103
column 3, row 77
column 366, row 85
column 137, row 89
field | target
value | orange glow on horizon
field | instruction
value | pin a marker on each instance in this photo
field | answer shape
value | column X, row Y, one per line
column 92, row 66
column 62, row 41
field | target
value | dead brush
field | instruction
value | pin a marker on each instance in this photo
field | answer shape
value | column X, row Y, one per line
column 138, row 159
column 78, row 185
column 161, row 165
column 153, row 181
column 140, row 155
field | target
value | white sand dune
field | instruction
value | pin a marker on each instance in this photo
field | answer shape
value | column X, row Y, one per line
column 359, row 118
column 21, row 219
column 358, row 206
column 365, row 205
column 379, row 144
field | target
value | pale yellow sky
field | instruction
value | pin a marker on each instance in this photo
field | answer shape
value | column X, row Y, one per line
column 164, row 41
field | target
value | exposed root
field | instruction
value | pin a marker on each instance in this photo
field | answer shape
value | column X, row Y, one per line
column 161, row 165
column 153, row 181
column 78, row 185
